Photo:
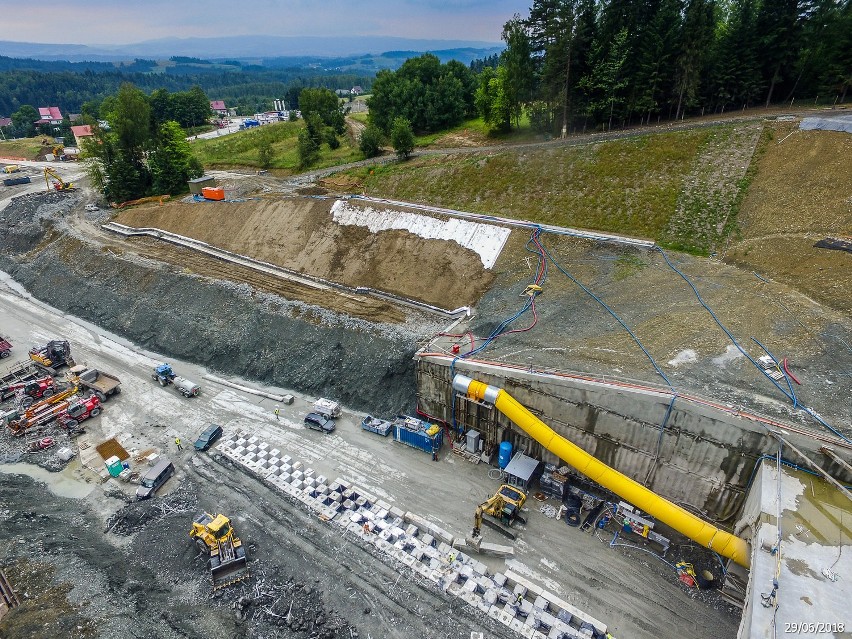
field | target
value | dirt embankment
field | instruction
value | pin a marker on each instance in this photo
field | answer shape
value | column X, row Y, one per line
column 300, row 234
column 225, row 326
column 801, row 193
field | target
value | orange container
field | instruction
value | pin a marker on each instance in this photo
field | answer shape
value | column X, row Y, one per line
column 209, row 193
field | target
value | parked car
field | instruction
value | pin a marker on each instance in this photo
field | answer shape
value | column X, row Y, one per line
column 315, row 421
column 154, row 478
column 208, row 436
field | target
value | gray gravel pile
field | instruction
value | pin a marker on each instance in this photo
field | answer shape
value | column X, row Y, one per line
column 137, row 514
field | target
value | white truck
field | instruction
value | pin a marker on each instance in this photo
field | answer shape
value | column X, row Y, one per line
column 327, row 407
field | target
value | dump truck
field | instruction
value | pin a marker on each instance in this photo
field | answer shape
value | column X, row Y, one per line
column 215, row 537
column 102, row 384
column 5, row 347
column 505, row 507
column 52, row 356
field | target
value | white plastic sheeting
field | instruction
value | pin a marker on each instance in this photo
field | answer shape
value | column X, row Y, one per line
column 486, row 239
column 842, row 123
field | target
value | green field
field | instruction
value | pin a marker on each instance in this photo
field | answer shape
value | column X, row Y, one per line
column 241, row 149
column 26, row 148
column 624, row 186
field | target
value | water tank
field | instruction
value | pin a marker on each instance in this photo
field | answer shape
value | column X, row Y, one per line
column 505, row 454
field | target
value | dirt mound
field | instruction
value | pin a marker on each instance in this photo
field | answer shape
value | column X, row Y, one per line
column 299, row 234
column 799, row 196
column 228, row 327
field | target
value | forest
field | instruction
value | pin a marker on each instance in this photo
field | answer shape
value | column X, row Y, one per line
column 70, row 85
column 578, row 64
column 572, row 63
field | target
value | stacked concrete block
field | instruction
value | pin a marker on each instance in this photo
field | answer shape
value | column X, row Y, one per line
column 414, row 542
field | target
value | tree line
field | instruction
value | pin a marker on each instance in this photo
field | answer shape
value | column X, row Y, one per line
column 144, row 150
column 250, row 89
column 588, row 63
column 581, row 62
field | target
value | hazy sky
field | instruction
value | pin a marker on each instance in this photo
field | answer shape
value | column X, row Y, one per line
column 127, row 21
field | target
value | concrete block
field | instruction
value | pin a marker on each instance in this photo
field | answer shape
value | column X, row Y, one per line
column 471, row 598
column 297, row 465
column 309, row 472
column 499, row 579
column 321, row 479
column 411, row 530
column 298, row 474
column 381, row 513
column 470, row 585
column 517, row 625
column 408, row 560
column 494, row 612
column 519, row 590
column 526, row 607
column 479, row 567
column 396, row 512
column 383, row 504
column 275, row 452
column 334, row 487
column 360, row 502
column 253, row 440
column 263, row 446
column 444, row 549
column 454, row 589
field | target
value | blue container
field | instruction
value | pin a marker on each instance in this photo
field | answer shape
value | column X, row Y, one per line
column 417, row 438
column 505, row 455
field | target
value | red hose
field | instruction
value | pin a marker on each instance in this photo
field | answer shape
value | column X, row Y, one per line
column 787, row 370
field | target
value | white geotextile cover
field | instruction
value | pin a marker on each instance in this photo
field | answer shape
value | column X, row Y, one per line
column 486, row 239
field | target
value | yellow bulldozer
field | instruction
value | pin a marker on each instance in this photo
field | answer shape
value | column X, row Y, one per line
column 505, row 507
column 215, row 536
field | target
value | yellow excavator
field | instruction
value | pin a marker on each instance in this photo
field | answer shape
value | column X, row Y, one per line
column 505, row 506
column 59, row 184
column 215, row 536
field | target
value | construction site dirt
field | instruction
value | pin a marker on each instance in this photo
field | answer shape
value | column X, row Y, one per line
column 128, row 304
column 133, row 565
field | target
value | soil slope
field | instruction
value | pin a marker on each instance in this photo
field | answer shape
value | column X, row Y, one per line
column 801, row 193
column 299, row 234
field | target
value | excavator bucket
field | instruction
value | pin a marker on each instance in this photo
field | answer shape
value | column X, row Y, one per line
column 231, row 569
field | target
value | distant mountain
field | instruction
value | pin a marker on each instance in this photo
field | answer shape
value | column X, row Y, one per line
column 236, row 47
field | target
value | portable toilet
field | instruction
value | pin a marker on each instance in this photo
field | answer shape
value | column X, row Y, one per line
column 505, row 455
column 114, row 466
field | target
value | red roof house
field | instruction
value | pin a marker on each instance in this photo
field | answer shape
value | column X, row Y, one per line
column 219, row 107
column 49, row 115
column 82, row 131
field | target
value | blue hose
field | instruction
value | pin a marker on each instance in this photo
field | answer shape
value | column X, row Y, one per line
column 611, row 312
column 789, row 396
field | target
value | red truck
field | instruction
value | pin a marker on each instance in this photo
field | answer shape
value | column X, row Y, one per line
column 5, row 347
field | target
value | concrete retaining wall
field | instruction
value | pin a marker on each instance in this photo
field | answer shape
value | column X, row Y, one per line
column 706, row 455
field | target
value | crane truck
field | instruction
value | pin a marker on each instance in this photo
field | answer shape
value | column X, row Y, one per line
column 215, row 536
